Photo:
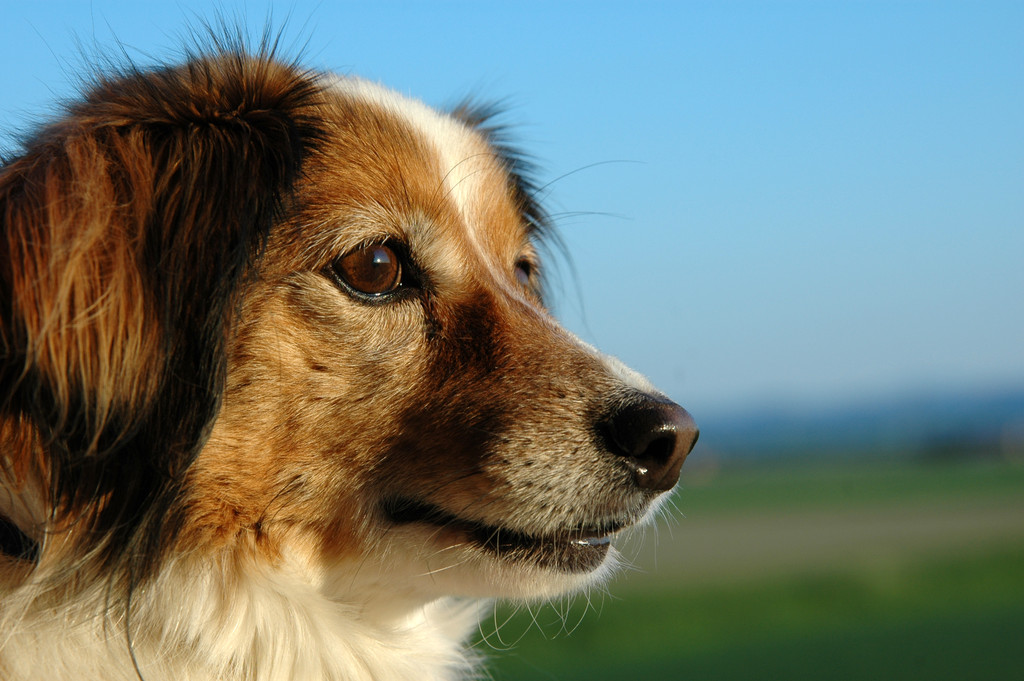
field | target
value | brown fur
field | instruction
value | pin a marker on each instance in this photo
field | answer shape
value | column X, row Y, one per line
column 126, row 229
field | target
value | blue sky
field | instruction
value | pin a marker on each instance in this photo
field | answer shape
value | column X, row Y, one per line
column 765, row 203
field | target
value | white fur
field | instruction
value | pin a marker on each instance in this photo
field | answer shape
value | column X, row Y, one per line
column 226, row 622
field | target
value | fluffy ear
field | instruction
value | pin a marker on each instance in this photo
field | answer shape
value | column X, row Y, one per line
column 127, row 227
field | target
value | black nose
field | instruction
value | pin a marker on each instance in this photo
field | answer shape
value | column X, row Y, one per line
column 654, row 437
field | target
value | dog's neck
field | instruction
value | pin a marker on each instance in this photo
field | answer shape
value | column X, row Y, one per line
column 206, row 622
column 278, row 623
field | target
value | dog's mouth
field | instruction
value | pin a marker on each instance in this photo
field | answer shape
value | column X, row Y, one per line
column 576, row 549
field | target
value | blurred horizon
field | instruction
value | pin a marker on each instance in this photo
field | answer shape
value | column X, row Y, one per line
column 766, row 204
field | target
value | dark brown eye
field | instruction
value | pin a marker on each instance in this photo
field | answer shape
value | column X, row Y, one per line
column 373, row 270
column 523, row 271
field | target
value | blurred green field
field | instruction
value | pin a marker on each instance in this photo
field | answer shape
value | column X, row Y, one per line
column 870, row 571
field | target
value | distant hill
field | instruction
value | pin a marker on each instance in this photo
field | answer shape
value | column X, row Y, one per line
column 933, row 426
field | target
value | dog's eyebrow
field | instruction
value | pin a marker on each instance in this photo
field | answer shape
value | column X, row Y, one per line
column 330, row 237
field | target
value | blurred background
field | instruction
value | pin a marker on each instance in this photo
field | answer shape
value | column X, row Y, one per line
column 805, row 222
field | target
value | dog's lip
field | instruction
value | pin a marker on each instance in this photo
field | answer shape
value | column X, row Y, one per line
column 574, row 549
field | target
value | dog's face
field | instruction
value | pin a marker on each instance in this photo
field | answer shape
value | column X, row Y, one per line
column 401, row 409
column 251, row 313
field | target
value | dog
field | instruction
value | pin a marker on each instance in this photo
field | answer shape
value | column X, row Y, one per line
column 279, row 394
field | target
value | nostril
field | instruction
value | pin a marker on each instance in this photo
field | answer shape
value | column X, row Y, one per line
column 660, row 449
column 654, row 438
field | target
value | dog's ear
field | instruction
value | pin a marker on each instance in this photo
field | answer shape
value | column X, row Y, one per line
column 126, row 229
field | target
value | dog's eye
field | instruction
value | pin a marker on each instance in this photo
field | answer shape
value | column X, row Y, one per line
column 523, row 271
column 372, row 270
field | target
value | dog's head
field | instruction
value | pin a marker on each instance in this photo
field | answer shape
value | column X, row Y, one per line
column 253, row 311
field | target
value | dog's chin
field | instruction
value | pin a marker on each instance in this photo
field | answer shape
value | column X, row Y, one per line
column 477, row 559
